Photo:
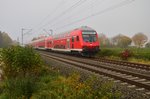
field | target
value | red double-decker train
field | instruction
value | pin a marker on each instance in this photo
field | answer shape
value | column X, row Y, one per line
column 83, row 40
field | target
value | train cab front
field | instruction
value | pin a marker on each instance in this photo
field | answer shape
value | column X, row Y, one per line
column 90, row 43
column 90, row 49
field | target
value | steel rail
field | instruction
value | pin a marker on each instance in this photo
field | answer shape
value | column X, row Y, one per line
column 129, row 64
column 105, row 71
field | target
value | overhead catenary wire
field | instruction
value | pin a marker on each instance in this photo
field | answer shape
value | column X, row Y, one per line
column 69, row 17
column 65, row 12
column 50, row 14
column 123, row 3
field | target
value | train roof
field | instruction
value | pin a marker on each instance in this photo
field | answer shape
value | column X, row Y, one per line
column 85, row 28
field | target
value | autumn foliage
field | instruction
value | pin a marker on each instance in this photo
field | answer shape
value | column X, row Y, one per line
column 26, row 77
column 139, row 39
column 126, row 54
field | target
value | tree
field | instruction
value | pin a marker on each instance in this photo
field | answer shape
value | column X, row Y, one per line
column 1, row 39
column 14, row 42
column 5, row 40
column 121, row 40
column 21, row 68
column 104, row 41
column 139, row 39
column 124, row 41
column 115, row 39
column 20, row 61
column 147, row 45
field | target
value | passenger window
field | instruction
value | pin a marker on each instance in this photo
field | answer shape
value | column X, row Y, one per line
column 77, row 38
column 72, row 39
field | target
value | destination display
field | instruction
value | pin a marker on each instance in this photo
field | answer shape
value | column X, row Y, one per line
column 89, row 32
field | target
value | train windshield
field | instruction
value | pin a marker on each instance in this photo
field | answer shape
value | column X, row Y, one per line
column 89, row 36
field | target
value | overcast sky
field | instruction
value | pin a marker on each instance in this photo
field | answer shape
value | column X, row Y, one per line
column 110, row 17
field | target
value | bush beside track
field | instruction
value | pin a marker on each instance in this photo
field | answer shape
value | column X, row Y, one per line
column 136, row 54
column 25, row 76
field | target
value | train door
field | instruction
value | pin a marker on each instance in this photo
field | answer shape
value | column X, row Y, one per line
column 68, row 43
column 52, row 44
column 46, row 44
column 72, row 42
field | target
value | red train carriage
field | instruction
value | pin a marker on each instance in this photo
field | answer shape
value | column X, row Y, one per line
column 83, row 40
column 39, row 43
column 49, row 43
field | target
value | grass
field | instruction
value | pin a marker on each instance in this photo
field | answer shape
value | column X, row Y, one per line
column 51, row 85
column 34, row 80
column 141, row 61
column 71, row 88
column 139, row 55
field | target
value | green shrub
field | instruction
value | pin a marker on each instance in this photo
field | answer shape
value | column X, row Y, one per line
column 20, row 88
column 141, row 53
column 105, row 52
column 72, row 88
column 27, row 78
column 108, row 52
column 126, row 54
column 137, row 53
column 20, row 61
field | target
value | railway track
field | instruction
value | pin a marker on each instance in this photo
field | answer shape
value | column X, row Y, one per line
column 131, row 77
column 129, row 64
column 139, row 68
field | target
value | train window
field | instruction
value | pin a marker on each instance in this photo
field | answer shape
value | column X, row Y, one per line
column 77, row 38
column 72, row 39
column 89, row 37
